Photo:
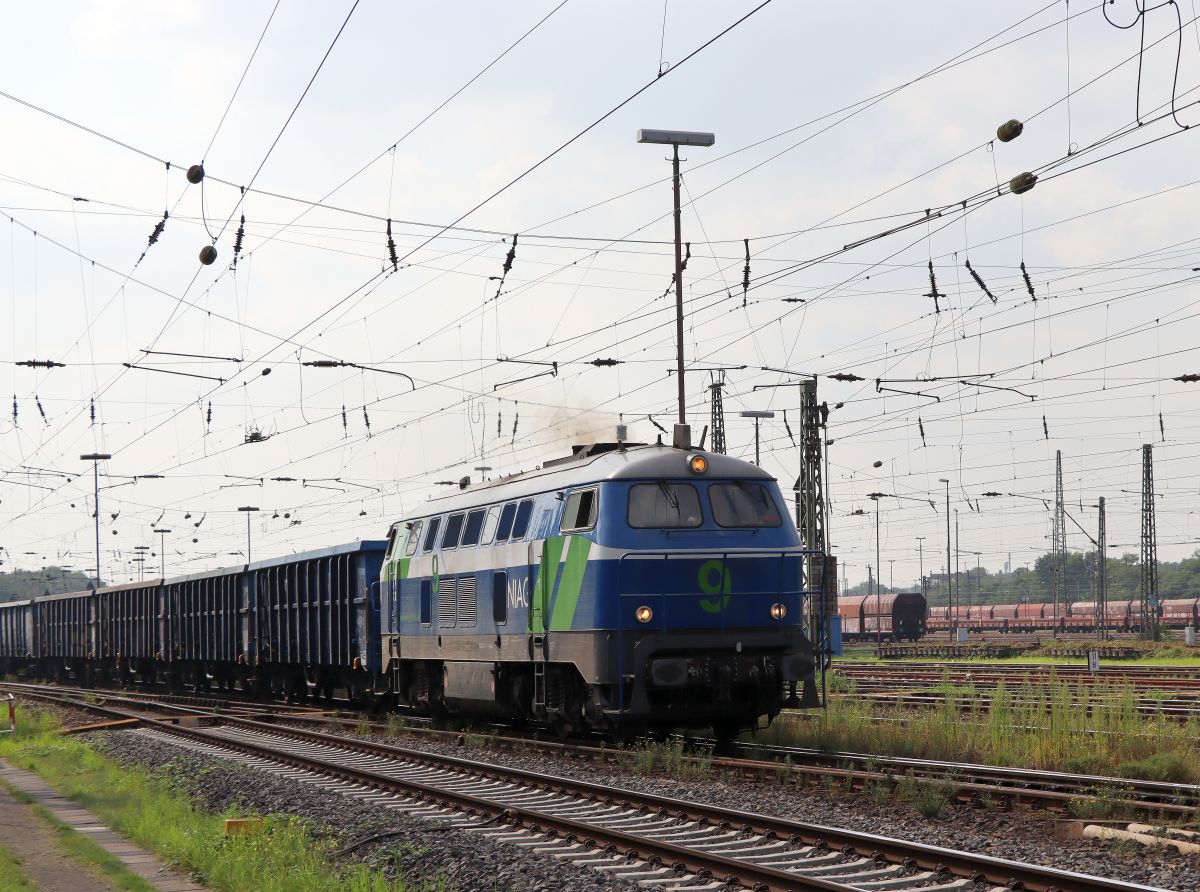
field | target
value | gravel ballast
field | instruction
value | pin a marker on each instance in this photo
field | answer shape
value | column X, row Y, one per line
column 420, row 851
column 1018, row 835
column 467, row 861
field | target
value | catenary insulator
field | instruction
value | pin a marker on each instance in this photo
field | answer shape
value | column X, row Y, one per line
column 208, row 254
column 1009, row 130
column 195, row 173
column 1022, row 182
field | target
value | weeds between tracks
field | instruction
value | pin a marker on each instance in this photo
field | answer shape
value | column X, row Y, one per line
column 1052, row 727
column 667, row 758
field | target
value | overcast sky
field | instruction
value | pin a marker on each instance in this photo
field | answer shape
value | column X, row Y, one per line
column 833, row 122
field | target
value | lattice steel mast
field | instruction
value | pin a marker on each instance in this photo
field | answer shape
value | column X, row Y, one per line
column 810, row 521
column 1149, row 590
column 718, row 416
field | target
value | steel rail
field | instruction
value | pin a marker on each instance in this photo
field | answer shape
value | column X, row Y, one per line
column 1001, row 872
column 973, row 781
column 871, row 847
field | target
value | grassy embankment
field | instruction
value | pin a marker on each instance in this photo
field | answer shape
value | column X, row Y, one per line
column 12, row 878
column 1048, row 729
column 284, row 857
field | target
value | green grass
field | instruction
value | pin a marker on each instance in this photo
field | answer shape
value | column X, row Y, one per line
column 88, row 851
column 1044, row 729
column 667, row 758
column 285, row 857
column 12, row 877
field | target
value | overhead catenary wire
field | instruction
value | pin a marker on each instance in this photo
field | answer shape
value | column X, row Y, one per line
column 990, row 276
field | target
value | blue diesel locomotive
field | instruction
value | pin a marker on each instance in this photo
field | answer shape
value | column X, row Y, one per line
column 622, row 589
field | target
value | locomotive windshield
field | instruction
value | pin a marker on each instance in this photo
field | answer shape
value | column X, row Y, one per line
column 664, row 505
column 743, row 504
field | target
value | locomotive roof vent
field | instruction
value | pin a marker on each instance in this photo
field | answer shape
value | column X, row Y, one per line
column 587, row 450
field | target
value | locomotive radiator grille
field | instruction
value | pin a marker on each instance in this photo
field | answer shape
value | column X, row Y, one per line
column 447, row 604
column 466, row 600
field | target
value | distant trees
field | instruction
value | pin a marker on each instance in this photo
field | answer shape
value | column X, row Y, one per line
column 21, row 584
column 1175, row 580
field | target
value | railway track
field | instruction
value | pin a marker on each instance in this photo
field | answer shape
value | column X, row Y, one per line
column 659, row 840
column 980, row 702
column 976, row 784
column 1173, row 678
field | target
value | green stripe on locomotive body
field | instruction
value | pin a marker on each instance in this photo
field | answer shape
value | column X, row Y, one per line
column 570, row 583
column 396, row 569
column 543, row 590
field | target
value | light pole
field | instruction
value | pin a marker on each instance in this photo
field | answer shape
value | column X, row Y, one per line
column 675, row 139
column 758, row 416
column 162, row 550
column 95, row 458
column 871, row 586
column 949, row 587
column 876, row 496
column 891, row 576
column 978, row 584
column 957, row 574
column 921, row 563
column 248, row 510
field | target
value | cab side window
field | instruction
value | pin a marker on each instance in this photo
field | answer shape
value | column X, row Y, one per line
column 489, row 525
column 472, row 528
column 414, row 537
column 453, row 528
column 521, row 523
column 579, row 514
column 506, row 522
column 431, row 533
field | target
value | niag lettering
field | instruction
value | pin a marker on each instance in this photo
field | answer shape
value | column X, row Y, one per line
column 518, row 592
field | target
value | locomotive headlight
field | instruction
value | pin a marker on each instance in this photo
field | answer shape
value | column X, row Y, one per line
column 644, row 614
column 697, row 464
column 778, row 611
